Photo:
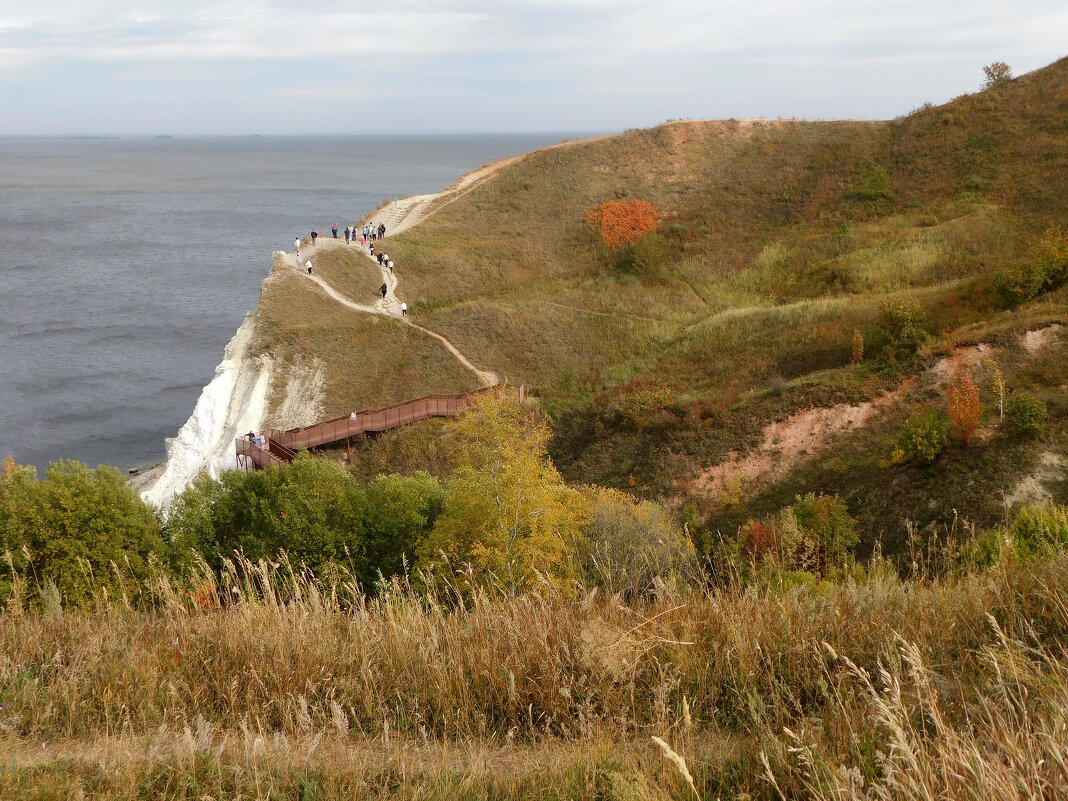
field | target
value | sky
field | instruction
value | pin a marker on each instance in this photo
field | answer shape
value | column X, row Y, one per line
column 322, row 67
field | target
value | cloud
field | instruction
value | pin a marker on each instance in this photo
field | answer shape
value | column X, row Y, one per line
column 542, row 63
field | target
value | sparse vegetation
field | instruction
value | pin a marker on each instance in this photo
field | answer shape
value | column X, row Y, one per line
column 997, row 74
column 795, row 685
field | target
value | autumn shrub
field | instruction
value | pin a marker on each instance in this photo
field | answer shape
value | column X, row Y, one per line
column 508, row 520
column 80, row 531
column 923, row 438
column 1045, row 268
column 857, row 344
column 622, row 222
column 758, row 540
column 825, row 520
column 1026, row 415
column 1039, row 532
column 630, row 546
column 815, row 535
column 962, row 407
column 899, row 329
column 641, row 406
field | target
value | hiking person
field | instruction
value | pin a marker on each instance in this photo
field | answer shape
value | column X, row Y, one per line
column 372, row 248
column 379, row 257
column 296, row 245
column 348, row 232
column 391, row 266
column 333, row 230
column 382, row 230
column 383, row 289
column 308, row 265
column 314, row 235
column 404, row 310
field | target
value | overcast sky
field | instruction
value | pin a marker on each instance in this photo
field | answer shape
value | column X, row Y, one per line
column 319, row 66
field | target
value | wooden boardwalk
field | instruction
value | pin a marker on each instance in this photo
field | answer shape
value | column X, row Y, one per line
column 281, row 446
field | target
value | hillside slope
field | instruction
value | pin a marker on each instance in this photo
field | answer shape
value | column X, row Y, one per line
column 779, row 240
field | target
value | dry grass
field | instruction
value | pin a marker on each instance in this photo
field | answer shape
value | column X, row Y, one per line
column 903, row 685
column 370, row 361
column 347, row 270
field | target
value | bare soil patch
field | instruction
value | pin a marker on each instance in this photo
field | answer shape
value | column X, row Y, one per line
column 811, row 431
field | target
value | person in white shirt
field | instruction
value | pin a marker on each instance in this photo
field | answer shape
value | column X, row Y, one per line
column 404, row 309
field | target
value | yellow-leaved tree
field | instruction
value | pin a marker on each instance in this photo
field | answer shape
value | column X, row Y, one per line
column 509, row 522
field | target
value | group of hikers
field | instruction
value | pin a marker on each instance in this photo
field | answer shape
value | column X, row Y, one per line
column 368, row 235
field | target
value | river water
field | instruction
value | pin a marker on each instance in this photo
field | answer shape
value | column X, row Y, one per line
column 129, row 262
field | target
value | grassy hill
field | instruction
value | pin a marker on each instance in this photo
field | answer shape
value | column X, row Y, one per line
column 715, row 364
column 779, row 239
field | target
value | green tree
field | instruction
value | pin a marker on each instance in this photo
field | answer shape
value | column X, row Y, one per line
column 401, row 513
column 84, row 530
column 825, row 521
column 310, row 508
column 509, row 519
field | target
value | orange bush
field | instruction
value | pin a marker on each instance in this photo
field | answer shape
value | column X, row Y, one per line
column 963, row 407
column 758, row 540
column 621, row 222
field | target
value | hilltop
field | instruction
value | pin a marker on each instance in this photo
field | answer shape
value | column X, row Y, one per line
column 779, row 239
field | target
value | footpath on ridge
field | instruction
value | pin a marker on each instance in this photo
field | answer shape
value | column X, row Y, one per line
column 388, row 306
column 398, row 216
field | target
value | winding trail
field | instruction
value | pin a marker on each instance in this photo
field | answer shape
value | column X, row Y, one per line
column 400, row 215
column 389, row 306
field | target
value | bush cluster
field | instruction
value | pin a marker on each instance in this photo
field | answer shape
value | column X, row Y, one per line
column 923, row 438
column 504, row 521
column 1044, row 269
column 816, row 534
column 1026, row 415
column 899, row 330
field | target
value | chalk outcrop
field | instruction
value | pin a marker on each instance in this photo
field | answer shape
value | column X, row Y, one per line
column 233, row 403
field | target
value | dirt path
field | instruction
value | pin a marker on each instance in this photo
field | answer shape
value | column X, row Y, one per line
column 399, row 216
column 389, row 306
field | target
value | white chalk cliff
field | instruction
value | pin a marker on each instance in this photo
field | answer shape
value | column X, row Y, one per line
column 233, row 403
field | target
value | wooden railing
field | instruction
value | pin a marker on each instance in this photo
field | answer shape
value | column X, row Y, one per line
column 249, row 453
column 282, row 446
